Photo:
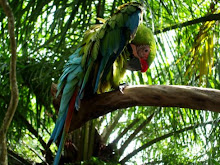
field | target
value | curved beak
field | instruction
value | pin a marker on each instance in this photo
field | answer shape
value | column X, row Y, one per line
column 134, row 64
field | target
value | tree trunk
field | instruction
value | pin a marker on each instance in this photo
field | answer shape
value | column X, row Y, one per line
column 3, row 149
column 13, row 84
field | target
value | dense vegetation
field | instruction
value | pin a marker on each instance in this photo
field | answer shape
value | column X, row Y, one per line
column 47, row 32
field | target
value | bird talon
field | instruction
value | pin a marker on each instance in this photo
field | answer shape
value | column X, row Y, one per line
column 121, row 87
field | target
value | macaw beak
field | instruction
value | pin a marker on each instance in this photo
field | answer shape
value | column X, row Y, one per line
column 134, row 64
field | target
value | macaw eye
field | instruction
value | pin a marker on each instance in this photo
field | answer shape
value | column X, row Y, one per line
column 146, row 50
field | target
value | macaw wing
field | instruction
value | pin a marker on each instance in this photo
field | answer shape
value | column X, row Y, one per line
column 119, row 30
column 107, row 43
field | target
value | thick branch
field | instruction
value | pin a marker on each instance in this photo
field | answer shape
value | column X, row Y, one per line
column 211, row 17
column 147, row 95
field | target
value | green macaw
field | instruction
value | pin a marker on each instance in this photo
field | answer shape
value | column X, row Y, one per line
column 100, row 61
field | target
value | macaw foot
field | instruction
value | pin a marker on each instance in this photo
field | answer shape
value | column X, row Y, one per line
column 122, row 86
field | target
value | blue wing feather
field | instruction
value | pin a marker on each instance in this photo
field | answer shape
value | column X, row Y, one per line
column 73, row 62
column 133, row 21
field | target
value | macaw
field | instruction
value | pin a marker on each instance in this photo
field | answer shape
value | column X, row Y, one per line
column 100, row 61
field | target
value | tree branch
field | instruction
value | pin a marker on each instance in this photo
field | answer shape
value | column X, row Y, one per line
column 147, row 95
column 13, row 84
column 210, row 17
column 132, row 136
column 135, row 121
column 14, row 158
column 110, row 127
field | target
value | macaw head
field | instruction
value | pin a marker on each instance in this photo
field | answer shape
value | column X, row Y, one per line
column 143, row 49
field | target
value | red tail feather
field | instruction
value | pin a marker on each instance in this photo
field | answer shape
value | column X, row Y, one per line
column 70, row 111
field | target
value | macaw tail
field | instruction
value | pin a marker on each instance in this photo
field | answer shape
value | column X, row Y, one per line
column 69, row 83
column 66, row 127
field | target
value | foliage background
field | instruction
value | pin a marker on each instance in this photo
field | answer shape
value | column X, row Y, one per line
column 47, row 32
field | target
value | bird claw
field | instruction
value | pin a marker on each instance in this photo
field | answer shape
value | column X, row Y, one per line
column 122, row 86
